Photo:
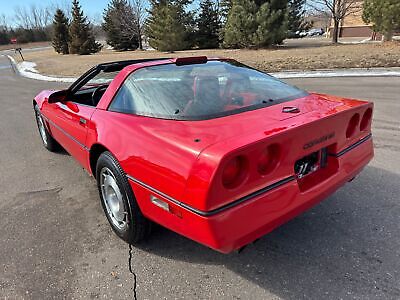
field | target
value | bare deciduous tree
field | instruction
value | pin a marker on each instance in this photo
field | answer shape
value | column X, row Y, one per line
column 34, row 17
column 140, row 12
column 42, row 16
column 120, row 25
column 3, row 22
column 22, row 17
column 339, row 9
column 129, row 24
column 64, row 5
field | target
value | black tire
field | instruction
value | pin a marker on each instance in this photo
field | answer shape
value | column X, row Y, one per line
column 48, row 141
column 136, row 227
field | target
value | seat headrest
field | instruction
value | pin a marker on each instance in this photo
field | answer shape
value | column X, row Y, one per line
column 206, row 88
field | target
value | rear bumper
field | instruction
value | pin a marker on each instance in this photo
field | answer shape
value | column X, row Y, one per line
column 235, row 226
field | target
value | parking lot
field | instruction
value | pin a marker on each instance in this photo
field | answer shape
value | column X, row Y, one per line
column 56, row 242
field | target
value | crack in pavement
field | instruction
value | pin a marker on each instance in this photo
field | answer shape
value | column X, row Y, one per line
column 133, row 273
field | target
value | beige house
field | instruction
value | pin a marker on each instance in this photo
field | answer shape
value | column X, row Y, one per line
column 353, row 24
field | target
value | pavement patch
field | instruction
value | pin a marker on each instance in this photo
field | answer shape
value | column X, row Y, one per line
column 3, row 67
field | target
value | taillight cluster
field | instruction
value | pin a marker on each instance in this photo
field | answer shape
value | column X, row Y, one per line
column 269, row 159
column 366, row 119
column 236, row 170
column 351, row 128
column 355, row 122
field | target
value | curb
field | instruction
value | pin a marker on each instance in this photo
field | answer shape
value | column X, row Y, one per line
column 371, row 72
column 37, row 76
column 331, row 73
column 12, row 63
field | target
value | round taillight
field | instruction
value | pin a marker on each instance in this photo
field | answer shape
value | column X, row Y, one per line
column 351, row 128
column 366, row 119
column 268, row 159
column 234, row 172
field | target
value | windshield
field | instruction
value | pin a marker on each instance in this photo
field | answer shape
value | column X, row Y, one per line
column 199, row 91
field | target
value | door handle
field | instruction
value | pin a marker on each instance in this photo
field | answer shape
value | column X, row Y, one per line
column 82, row 121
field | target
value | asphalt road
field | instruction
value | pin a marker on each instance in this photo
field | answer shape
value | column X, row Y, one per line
column 57, row 244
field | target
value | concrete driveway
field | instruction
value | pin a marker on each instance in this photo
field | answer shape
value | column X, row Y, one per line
column 57, row 244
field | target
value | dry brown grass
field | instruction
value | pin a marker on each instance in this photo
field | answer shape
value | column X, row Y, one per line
column 270, row 60
column 28, row 45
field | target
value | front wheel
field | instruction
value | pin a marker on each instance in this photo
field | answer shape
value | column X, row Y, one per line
column 118, row 201
column 48, row 141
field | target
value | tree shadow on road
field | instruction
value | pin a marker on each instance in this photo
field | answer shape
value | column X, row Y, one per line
column 343, row 248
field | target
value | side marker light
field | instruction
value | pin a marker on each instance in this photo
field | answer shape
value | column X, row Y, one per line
column 159, row 203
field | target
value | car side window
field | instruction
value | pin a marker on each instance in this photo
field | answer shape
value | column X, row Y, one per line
column 123, row 101
column 152, row 97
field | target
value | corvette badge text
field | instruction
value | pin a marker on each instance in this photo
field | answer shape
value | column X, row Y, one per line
column 319, row 141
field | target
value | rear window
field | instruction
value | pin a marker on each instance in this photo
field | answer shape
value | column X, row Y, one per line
column 200, row 91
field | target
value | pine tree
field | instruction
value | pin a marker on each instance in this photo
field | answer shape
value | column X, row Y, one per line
column 208, row 25
column 120, row 26
column 271, row 18
column 384, row 15
column 169, row 27
column 296, row 14
column 240, row 25
column 259, row 23
column 188, row 20
column 60, row 32
column 4, row 36
column 82, row 39
column 224, row 8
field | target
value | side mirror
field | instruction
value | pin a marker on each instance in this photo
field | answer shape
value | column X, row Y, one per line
column 72, row 106
column 60, row 96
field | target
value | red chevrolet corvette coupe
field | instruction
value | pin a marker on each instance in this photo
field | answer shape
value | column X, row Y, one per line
column 209, row 148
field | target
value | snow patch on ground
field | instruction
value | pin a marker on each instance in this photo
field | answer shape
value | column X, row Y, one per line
column 28, row 69
column 28, row 66
column 374, row 72
column 365, row 41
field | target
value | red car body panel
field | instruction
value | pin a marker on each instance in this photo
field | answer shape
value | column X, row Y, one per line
column 180, row 162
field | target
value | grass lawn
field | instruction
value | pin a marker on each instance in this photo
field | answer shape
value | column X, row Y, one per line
column 269, row 60
column 28, row 45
